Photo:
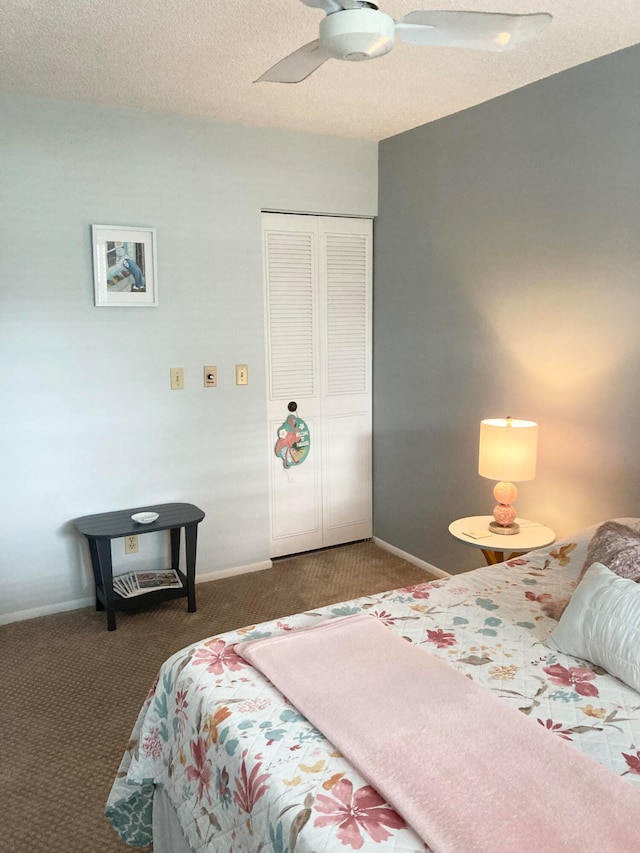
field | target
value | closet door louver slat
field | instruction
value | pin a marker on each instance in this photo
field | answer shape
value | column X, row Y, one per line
column 290, row 307
column 347, row 325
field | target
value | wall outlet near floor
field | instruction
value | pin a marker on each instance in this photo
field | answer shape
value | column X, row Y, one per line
column 177, row 378
column 242, row 374
column 131, row 544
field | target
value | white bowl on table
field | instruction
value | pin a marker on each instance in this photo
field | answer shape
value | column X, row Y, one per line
column 144, row 517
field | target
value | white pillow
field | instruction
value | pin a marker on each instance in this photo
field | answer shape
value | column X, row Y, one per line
column 602, row 624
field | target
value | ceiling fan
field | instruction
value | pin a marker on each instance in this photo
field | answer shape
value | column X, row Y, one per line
column 356, row 30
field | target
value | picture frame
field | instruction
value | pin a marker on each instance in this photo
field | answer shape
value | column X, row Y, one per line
column 124, row 266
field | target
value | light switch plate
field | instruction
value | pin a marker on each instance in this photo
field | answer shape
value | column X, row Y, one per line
column 242, row 374
column 210, row 376
column 177, row 378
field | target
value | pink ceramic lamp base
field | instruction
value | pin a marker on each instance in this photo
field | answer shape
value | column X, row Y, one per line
column 504, row 513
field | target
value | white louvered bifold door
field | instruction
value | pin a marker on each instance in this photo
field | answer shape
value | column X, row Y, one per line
column 318, row 308
column 345, row 308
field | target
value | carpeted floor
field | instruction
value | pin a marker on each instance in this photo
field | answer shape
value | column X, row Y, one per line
column 71, row 690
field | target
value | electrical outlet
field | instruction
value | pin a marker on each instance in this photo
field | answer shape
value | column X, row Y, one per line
column 210, row 376
column 242, row 374
column 131, row 544
column 177, row 378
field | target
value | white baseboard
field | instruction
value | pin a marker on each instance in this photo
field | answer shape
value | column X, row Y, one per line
column 77, row 604
column 47, row 610
column 236, row 570
column 427, row 567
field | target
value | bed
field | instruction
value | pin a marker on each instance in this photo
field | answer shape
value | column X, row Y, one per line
column 219, row 760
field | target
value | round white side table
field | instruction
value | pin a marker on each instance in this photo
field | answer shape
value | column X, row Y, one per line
column 474, row 531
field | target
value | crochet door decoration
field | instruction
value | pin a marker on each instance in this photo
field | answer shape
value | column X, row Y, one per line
column 293, row 442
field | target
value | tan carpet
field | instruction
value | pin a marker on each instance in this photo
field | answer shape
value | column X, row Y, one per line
column 71, row 690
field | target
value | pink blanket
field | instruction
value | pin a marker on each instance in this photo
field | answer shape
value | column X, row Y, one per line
column 467, row 772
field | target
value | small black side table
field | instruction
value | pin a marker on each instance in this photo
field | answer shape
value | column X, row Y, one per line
column 100, row 529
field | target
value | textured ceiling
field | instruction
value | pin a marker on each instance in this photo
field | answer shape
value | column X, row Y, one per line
column 199, row 58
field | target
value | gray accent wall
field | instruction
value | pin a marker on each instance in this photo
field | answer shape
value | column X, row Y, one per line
column 507, row 282
column 88, row 422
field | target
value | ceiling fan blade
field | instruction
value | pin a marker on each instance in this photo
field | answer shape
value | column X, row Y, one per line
column 297, row 66
column 331, row 6
column 476, row 30
column 328, row 6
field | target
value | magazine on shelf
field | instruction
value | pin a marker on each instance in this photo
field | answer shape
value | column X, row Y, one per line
column 137, row 583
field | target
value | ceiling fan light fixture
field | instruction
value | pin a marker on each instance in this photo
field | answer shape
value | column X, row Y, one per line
column 357, row 34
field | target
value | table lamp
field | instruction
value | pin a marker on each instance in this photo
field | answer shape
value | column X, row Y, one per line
column 507, row 452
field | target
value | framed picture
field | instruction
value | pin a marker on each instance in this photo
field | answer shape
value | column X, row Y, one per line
column 124, row 266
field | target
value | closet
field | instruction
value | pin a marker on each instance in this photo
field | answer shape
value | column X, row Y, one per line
column 318, row 290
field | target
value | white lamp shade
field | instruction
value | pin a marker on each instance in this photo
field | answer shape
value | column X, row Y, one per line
column 508, row 449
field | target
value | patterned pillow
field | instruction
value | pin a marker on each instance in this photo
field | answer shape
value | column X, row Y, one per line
column 615, row 546
column 618, row 548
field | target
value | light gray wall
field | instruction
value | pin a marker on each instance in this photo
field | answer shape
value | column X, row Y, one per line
column 507, row 282
column 88, row 421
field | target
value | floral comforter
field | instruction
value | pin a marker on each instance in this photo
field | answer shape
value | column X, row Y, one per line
column 247, row 773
